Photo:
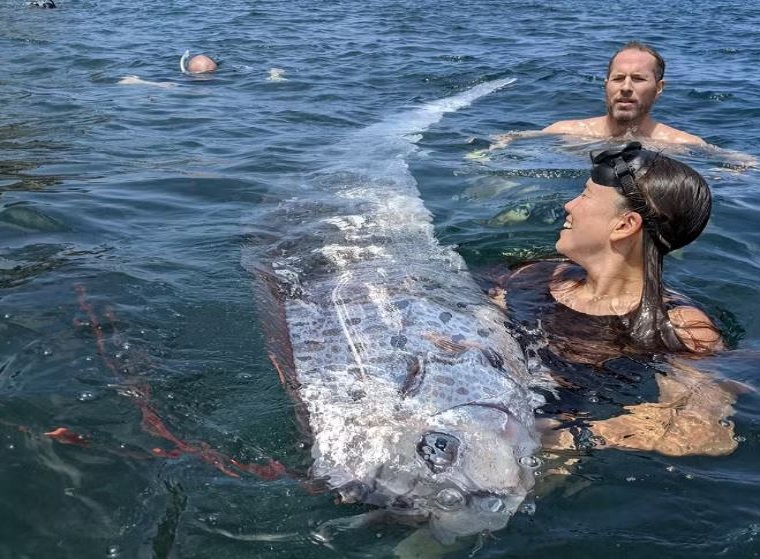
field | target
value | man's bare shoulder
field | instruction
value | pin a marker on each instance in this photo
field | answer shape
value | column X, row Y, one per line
column 582, row 127
column 664, row 133
column 600, row 127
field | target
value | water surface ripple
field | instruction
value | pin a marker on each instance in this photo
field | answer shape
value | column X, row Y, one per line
column 134, row 202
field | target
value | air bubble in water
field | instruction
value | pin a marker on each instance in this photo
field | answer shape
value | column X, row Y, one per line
column 211, row 518
column 86, row 396
column 530, row 461
column 724, row 423
column 113, row 552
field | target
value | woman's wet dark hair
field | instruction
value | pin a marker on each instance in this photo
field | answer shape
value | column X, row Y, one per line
column 674, row 202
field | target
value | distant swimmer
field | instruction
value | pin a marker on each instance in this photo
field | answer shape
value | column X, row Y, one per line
column 42, row 4
column 198, row 64
column 136, row 80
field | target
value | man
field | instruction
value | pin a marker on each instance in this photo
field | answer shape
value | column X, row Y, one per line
column 633, row 85
column 634, row 82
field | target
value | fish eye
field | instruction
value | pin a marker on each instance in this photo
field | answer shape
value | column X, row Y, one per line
column 438, row 450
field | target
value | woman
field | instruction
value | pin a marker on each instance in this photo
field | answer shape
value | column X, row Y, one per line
column 606, row 316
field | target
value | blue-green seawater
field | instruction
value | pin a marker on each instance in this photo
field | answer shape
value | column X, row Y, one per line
column 141, row 197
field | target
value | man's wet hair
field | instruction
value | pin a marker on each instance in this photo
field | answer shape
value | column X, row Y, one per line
column 659, row 61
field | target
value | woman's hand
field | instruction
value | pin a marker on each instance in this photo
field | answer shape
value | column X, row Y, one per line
column 690, row 418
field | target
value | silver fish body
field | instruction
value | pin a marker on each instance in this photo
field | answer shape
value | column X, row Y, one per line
column 416, row 397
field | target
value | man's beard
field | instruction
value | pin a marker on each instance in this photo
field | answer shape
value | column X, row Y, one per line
column 634, row 115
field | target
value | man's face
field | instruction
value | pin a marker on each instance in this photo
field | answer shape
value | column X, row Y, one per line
column 631, row 86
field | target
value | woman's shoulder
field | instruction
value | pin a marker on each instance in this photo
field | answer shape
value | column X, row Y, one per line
column 695, row 329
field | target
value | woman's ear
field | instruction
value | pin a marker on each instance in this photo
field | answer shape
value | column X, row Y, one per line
column 628, row 224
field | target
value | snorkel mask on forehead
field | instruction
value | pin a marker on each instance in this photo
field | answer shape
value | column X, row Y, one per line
column 621, row 168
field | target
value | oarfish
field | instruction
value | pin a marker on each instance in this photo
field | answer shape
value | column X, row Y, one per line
column 416, row 397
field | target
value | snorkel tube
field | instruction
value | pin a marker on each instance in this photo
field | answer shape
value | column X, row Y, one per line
column 198, row 64
column 183, row 62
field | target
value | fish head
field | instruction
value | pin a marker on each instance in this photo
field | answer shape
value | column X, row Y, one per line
column 464, row 471
column 482, row 463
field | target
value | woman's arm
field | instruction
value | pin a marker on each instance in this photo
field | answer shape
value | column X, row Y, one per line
column 695, row 329
column 690, row 418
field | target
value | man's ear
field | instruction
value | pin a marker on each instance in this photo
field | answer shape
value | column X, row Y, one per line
column 660, row 87
column 627, row 225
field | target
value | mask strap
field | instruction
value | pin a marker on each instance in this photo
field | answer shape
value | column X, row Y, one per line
column 624, row 173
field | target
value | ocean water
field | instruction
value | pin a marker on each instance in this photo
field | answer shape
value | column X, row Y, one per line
column 127, row 318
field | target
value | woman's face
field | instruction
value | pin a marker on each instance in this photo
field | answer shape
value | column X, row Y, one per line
column 591, row 218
